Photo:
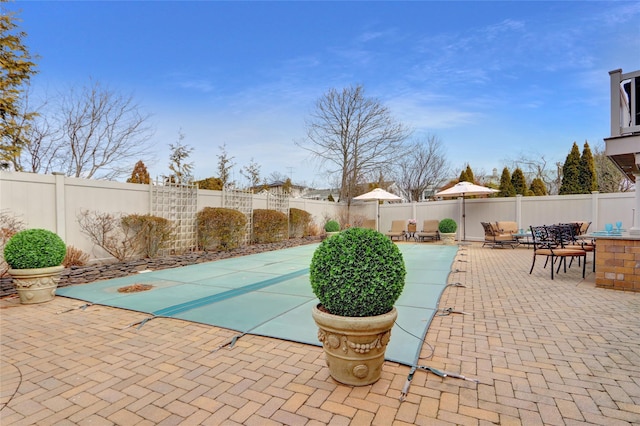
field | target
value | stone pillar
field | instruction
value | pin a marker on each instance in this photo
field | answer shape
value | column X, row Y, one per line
column 635, row 229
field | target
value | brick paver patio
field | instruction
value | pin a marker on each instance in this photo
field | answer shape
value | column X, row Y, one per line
column 544, row 352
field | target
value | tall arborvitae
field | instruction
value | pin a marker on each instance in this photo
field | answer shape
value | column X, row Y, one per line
column 139, row 174
column 538, row 187
column 519, row 182
column 588, row 178
column 506, row 187
column 467, row 175
column 571, row 173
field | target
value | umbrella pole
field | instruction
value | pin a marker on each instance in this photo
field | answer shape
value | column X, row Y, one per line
column 464, row 219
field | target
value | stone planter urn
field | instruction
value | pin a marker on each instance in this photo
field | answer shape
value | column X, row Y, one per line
column 354, row 326
column 448, row 239
column 36, row 285
column 354, row 347
column 35, row 259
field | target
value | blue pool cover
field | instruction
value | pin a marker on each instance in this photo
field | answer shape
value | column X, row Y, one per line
column 269, row 294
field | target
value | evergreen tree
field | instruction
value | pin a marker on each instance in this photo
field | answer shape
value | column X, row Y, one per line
column 15, row 73
column 139, row 174
column 588, row 178
column 467, row 175
column 518, row 181
column 470, row 177
column 506, row 187
column 538, row 187
column 571, row 173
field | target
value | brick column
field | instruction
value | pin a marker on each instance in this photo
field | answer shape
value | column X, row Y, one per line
column 618, row 264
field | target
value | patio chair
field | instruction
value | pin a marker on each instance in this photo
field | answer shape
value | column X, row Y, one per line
column 397, row 230
column 571, row 239
column 429, row 230
column 494, row 237
column 547, row 241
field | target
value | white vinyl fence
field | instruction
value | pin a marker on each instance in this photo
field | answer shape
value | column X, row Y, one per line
column 54, row 202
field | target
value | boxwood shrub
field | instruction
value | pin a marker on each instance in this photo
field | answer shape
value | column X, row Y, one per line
column 220, row 228
column 358, row 272
column 332, row 226
column 269, row 226
column 34, row 248
column 299, row 223
column 447, row 226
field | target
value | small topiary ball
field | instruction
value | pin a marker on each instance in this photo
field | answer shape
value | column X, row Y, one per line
column 447, row 226
column 34, row 248
column 332, row 226
column 357, row 273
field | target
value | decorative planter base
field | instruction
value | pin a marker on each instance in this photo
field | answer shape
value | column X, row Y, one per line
column 331, row 234
column 354, row 346
column 36, row 285
column 448, row 239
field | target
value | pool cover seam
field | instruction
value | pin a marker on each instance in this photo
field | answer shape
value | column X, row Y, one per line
column 208, row 300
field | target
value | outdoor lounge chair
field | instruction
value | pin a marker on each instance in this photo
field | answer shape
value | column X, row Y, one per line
column 547, row 241
column 429, row 230
column 397, row 230
column 495, row 237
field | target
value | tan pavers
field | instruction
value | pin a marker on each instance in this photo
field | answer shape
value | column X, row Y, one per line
column 544, row 352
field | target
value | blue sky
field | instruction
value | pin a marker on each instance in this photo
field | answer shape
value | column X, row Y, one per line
column 493, row 80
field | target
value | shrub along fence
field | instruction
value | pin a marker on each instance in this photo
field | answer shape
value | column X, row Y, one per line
column 55, row 202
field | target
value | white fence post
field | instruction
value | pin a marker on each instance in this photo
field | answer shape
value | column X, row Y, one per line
column 61, row 207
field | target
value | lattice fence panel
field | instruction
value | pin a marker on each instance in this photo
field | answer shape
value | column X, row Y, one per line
column 179, row 204
column 243, row 202
column 279, row 200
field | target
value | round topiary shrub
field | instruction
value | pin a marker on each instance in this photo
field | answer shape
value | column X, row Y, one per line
column 447, row 226
column 357, row 273
column 332, row 226
column 34, row 248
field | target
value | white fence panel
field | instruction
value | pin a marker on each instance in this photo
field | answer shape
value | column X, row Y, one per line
column 54, row 201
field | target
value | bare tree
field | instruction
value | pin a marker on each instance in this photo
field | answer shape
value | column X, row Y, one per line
column 354, row 135
column 538, row 166
column 425, row 166
column 178, row 161
column 610, row 178
column 225, row 164
column 252, row 172
column 102, row 132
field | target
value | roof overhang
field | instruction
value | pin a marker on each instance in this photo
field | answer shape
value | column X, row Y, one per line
column 624, row 151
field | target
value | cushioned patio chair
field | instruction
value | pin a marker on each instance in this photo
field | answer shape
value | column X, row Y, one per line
column 429, row 230
column 495, row 237
column 547, row 241
column 397, row 230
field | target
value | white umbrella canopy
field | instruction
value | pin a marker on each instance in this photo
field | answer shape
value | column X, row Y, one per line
column 378, row 194
column 463, row 189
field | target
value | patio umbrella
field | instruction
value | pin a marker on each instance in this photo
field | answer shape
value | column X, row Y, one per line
column 378, row 194
column 462, row 189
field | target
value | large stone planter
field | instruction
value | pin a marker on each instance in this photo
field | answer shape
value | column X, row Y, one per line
column 448, row 239
column 36, row 285
column 354, row 346
column 331, row 234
